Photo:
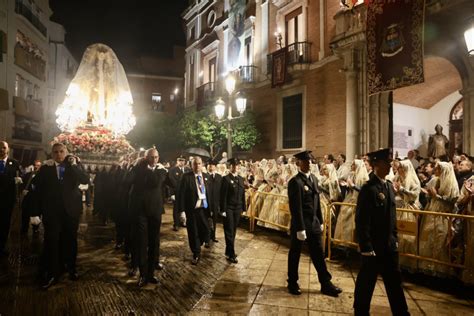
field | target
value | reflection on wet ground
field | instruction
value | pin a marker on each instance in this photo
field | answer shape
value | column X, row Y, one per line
column 256, row 285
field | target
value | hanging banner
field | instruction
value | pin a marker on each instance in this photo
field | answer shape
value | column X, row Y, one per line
column 279, row 67
column 394, row 44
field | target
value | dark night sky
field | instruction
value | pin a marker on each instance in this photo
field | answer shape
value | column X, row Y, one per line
column 130, row 27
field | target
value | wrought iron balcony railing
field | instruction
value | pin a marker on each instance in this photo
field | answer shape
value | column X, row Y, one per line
column 205, row 94
column 247, row 74
column 23, row 10
column 296, row 53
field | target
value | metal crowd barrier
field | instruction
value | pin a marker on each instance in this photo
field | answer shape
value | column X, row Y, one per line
column 404, row 226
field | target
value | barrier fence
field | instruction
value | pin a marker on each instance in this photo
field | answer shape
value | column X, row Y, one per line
column 405, row 227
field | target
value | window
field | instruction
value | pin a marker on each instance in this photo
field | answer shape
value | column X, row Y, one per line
column 292, row 119
column 248, row 51
column 294, row 26
column 172, row 97
column 156, row 102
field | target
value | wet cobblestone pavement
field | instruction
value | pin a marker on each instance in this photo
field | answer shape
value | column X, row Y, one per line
column 256, row 285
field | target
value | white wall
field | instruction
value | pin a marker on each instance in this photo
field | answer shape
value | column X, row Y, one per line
column 421, row 122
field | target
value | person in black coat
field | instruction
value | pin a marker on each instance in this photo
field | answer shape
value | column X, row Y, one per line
column 214, row 185
column 306, row 224
column 232, row 205
column 376, row 228
column 27, row 202
column 148, row 180
column 194, row 200
column 175, row 174
column 60, row 202
column 9, row 178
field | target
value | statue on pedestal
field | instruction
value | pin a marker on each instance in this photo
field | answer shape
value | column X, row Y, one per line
column 438, row 143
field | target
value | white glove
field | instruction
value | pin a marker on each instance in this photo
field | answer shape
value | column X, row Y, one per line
column 182, row 216
column 224, row 214
column 18, row 180
column 368, row 253
column 35, row 220
column 25, row 192
column 322, row 227
column 173, row 198
column 301, row 235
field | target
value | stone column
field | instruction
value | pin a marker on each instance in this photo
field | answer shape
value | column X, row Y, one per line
column 468, row 120
column 352, row 117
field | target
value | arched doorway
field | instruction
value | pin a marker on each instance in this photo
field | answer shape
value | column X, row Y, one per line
column 455, row 128
column 418, row 109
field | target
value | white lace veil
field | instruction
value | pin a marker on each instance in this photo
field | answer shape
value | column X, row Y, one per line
column 99, row 93
column 448, row 185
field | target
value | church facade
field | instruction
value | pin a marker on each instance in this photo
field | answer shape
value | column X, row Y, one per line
column 302, row 65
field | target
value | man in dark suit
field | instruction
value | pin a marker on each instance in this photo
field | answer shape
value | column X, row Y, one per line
column 175, row 174
column 376, row 227
column 9, row 178
column 306, row 224
column 214, row 185
column 148, row 180
column 232, row 205
column 194, row 200
column 60, row 202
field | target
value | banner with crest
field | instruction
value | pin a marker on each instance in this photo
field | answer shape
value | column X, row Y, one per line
column 394, row 44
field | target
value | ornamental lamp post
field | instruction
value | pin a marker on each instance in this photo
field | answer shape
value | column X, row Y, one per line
column 220, row 107
column 469, row 36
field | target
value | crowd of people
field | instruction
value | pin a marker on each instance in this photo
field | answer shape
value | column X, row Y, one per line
column 133, row 192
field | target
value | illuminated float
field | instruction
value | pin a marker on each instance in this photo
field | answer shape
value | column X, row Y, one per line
column 96, row 113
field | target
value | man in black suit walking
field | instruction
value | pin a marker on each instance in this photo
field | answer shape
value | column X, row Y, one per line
column 60, row 201
column 148, row 181
column 9, row 178
column 306, row 224
column 376, row 227
column 214, row 185
column 175, row 174
column 194, row 200
column 232, row 206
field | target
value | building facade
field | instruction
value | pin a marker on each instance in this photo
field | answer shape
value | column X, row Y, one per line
column 23, row 76
column 302, row 65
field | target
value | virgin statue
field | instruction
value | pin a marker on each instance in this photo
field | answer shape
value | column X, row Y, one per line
column 99, row 94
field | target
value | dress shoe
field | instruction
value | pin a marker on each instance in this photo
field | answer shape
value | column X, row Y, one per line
column 159, row 266
column 207, row 245
column 73, row 276
column 215, row 240
column 142, row 281
column 132, row 272
column 330, row 289
column 118, row 246
column 153, row 280
column 232, row 259
column 294, row 289
column 49, row 282
column 175, row 228
column 195, row 260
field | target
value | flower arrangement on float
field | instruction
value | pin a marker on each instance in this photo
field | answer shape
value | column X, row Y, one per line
column 94, row 142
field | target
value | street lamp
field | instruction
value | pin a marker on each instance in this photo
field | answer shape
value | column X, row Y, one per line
column 469, row 37
column 220, row 107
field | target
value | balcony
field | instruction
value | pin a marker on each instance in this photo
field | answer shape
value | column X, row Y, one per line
column 296, row 54
column 30, row 63
column 23, row 10
column 29, row 109
column 205, row 94
column 246, row 74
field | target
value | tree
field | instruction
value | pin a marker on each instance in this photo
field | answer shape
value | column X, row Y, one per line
column 202, row 129
column 156, row 129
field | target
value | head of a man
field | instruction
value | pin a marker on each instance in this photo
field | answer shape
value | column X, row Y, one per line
column 429, row 169
column 328, row 159
column 411, row 154
column 381, row 162
column 59, row 152
column 197, row 165
column 4, row 150
column 465, row 167
column 180, row 162
column 37, row 165
column 211, row 166
column 341, row 159
column 152, row 157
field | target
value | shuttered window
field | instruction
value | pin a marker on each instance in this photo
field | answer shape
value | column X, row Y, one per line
column 292, row 115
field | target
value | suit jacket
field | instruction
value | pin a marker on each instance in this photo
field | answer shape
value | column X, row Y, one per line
column 376, row 221
column 174, row 174
column 232, row 193
column 56, row 196
column 305, row 207
column 188, row 192
column 7, row 183
column 147, row 190
column 214, row 185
